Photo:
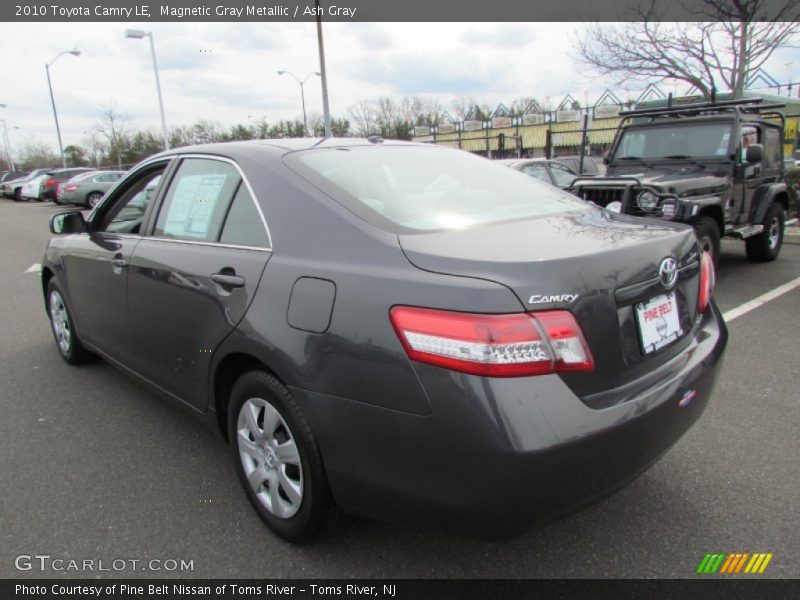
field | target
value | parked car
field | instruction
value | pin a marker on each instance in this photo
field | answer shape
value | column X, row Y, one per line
column 9, row 175
column 12, row 188
column 549, row 171
column 87, row 189
column 48, row 191
column 32, row 188
column 400, row 331
column 590, row 166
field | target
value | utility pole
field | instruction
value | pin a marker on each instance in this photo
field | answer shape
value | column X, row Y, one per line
column 323, row 73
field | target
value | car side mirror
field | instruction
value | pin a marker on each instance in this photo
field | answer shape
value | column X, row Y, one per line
column 67, row 222
column 754, row 153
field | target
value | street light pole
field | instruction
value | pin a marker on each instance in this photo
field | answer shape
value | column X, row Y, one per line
column 302, row 95
column 139, row 34
column 74, row 52
column 6, row 141
column 324, row 74
column 8, row 146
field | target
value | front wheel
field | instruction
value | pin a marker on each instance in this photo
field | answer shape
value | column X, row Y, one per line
column 708, row 234
column 67, row 342
column 766, row 246
column 93, row 199
column 277, row 459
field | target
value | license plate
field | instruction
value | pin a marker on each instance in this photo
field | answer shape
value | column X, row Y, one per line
column 659, row 322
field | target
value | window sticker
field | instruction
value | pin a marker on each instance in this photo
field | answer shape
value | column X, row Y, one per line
column 193, row 205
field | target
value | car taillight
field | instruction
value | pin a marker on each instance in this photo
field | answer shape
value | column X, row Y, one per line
column 707, row 282
column 49, row 182
column 71, row 188
column 512, row 345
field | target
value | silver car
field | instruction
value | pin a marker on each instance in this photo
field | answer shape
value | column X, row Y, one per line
column 87, row 189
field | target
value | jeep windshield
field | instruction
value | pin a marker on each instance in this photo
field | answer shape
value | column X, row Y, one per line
column 674, row 141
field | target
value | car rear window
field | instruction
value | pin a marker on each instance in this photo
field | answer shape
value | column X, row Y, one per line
column 413, row 188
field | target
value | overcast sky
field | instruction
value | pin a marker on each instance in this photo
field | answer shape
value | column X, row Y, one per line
column 226, row 72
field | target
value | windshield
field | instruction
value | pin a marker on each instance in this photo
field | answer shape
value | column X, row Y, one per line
column 686, row 140
column 424, row 189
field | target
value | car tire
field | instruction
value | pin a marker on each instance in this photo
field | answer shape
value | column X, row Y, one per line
column 766, row 246
column 18, row 195
column 61, row 323
column 93, row 199
column 708, row 235
column 289, row 489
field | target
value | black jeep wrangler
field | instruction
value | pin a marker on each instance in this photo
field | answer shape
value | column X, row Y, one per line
column 717, row 166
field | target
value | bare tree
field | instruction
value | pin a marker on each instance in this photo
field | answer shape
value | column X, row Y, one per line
column 95, row 147
column 463, row 105
column 729, row 42
column 36, row 155
column 364, row 118
column 115, row 129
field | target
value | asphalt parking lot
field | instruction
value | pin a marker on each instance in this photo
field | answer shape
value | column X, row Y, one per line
column 93, row 466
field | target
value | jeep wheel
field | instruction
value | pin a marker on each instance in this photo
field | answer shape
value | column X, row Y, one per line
column 708, row 235
column 766, row 246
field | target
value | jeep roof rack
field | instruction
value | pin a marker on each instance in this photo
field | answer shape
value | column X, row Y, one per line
column 744, row 105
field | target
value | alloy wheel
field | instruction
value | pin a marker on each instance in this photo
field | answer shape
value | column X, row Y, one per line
column 60, row 321
column 270, row 457
column 774, row 232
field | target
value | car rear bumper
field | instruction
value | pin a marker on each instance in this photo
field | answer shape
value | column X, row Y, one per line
column 496, row 456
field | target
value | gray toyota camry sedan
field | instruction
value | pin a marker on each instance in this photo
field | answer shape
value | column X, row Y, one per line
column 392, row 330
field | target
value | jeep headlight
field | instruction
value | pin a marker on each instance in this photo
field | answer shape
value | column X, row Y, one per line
column 669, row 209
column 647, row 200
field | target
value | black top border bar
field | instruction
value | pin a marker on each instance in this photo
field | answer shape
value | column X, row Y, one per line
column 369, row 10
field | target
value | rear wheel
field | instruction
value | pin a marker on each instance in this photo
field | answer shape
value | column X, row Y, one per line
column 93, row 199
column 707, row 231
column 277, row 459
column 67, row 342
column 766, row 246
column 18, row 195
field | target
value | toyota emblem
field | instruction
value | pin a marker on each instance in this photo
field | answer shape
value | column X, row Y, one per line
column 668, row 272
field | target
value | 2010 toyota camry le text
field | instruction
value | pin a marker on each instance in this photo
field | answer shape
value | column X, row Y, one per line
column 393, row 330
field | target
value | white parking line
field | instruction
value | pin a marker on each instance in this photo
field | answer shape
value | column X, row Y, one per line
column 34, row 268
column 745, row 308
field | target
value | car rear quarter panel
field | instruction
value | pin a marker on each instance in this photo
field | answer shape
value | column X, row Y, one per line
column 359, row 356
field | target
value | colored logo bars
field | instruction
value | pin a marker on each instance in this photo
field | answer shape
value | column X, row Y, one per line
column 734, row 563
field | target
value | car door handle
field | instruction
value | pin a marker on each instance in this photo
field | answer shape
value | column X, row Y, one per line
column 227, row 280
column 119, row 262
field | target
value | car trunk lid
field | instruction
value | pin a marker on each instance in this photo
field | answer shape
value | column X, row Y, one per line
column 597, row 264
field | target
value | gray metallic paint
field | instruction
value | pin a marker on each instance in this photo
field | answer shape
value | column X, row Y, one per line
column 401, row 439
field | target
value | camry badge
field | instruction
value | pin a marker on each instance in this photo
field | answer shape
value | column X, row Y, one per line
column 668, row 272
column 539, row 298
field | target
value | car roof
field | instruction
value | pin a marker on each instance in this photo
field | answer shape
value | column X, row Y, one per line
column 280, row 145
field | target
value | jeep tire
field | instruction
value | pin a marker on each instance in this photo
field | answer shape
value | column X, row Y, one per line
column 766, row 246
column 708, row 234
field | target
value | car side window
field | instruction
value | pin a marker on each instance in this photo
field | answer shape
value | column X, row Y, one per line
column 127, row 216
column 243, row 225
column 563, row 176
column 197, row 200
column 537, row 171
